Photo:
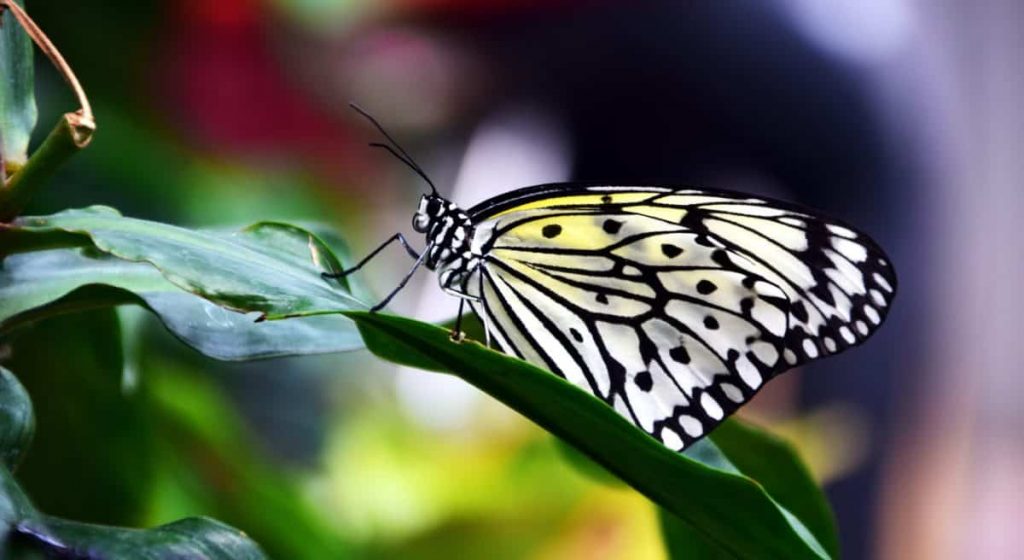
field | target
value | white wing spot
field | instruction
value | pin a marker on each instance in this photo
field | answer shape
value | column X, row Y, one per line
column 765, row 352
column 830, row 344
column 841, row 231
column 711, row 406
column 872, row 314
column 691, row 425
column 748, row 373
column 732, row 392
column 847, row 334
column 671, row 439
column 878, row 298
column 881, row 281
column 789, row 356
column 810, row 348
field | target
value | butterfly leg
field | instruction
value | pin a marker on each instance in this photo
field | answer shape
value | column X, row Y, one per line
column 457, row 335
column 405, row 280
column 396, row 237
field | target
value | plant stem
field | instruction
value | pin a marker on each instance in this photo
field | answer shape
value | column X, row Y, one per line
column 72, row 133
column 69, row 136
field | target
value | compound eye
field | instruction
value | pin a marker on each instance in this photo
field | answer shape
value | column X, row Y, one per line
column 420, row 222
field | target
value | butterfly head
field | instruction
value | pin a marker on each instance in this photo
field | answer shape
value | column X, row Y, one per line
column 431, row 208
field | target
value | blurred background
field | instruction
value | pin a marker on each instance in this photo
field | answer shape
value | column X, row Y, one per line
column 900, row 116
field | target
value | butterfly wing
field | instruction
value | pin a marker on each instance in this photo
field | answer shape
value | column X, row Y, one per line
column 672, row 305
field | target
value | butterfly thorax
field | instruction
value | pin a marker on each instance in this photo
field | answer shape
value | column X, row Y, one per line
column 449, row 231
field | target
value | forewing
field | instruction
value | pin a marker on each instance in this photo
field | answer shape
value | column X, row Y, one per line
column 839, row 282
column 674, row 306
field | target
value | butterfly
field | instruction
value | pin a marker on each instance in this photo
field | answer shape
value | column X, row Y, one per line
column 673, row 305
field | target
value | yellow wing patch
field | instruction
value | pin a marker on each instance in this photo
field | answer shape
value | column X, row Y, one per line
column 579, row 232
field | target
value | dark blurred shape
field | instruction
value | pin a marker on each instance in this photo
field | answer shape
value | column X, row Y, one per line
column 94, row 455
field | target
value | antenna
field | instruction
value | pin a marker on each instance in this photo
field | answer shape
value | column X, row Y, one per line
column 394, row 149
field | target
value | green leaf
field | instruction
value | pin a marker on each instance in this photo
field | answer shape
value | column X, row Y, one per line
column 729, row 510
column 49, row 282
column 187, row 277
column 26, row 533
column 15, row 509
column 17, row 420
column 585, row 465
column 683, row 542
column 195, row 537
column 775, row 465
column 769, row 460
column 16, row 428
column 17, row 94
column 268, row 267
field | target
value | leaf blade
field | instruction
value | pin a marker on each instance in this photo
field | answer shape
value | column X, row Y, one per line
column 679, row 484
column 237, row 270
column 774, row 464
column 50, row 282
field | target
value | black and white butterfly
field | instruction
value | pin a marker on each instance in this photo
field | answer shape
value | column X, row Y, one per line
column 674, row 305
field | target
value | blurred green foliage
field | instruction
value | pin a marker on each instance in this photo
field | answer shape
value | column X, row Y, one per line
column 88, row 422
